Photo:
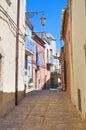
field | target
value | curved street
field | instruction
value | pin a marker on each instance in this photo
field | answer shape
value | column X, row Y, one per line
column 43, row 110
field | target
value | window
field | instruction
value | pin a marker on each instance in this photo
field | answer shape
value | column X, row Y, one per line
column 26, row 61
column 47, row 53
column 51, row 52
column 29, row 69
column 79, row 99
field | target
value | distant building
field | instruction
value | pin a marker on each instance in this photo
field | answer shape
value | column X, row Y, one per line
column 51, row 61
column 48, row 59
column 53, row 52
column 62, row 74
column 54, row 66
column 65, row 35
column 29, row 51
column 38, row 62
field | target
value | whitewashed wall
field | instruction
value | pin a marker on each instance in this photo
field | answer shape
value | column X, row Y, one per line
column 8, row 19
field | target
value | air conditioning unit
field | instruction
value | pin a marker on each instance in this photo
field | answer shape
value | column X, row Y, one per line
column 9, row 2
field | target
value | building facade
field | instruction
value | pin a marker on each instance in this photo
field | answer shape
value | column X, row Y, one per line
column 38, row 62
column 51, row 60
column 12, row 47
column 62, row 74
column 54, row 59
column 48, row 58
column 78, row 54
column 29, row 51
column 65, row 35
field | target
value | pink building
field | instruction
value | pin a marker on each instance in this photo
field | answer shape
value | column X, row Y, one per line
column 38, row 62
column 47, row 58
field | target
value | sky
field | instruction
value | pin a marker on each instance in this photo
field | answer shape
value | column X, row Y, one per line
column 53, row 13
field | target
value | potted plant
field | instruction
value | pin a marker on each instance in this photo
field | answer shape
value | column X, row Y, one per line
column 30, row 82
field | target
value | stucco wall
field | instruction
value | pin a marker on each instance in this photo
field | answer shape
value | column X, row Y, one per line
column 79, row 63
column 67, row 53
column 7, row 50
column 41, row 72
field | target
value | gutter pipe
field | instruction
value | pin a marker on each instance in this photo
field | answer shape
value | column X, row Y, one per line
column 17, row 53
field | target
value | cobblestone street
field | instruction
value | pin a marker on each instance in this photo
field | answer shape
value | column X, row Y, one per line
column 43, row 110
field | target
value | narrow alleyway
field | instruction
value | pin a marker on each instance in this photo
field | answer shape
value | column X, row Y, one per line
column 43, row 110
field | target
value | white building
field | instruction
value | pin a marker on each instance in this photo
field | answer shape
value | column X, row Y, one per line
column 48, row 58
column 11, row 55
column 50, row 50
column 53, row 52
column 29, row 51
column 51, row 60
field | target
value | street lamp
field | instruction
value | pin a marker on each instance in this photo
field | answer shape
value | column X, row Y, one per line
column 31, row 14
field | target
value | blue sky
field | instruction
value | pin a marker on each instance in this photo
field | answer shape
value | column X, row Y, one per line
column 53, row 11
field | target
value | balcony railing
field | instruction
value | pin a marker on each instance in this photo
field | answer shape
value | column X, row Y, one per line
column 54, row 70
column 50, row 60
column 29, row 44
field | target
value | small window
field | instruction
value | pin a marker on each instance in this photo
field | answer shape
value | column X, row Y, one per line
column 51, row 52
column 47, row 53
column 29, row 69
column 79, row 99
column 26, row 61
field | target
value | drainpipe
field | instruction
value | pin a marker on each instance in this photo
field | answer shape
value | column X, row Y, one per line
column 17, row 53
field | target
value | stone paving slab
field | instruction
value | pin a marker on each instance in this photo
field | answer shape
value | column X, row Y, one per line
column 43, row 110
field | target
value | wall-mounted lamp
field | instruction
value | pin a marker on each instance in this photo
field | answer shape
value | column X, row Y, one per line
column 9, row 2
column 31, row 14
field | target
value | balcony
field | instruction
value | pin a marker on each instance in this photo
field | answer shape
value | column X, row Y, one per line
column 29, row 45
column 54, row 70
column 50, row 60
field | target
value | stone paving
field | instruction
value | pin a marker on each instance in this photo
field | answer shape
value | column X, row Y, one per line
column 43, row 110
